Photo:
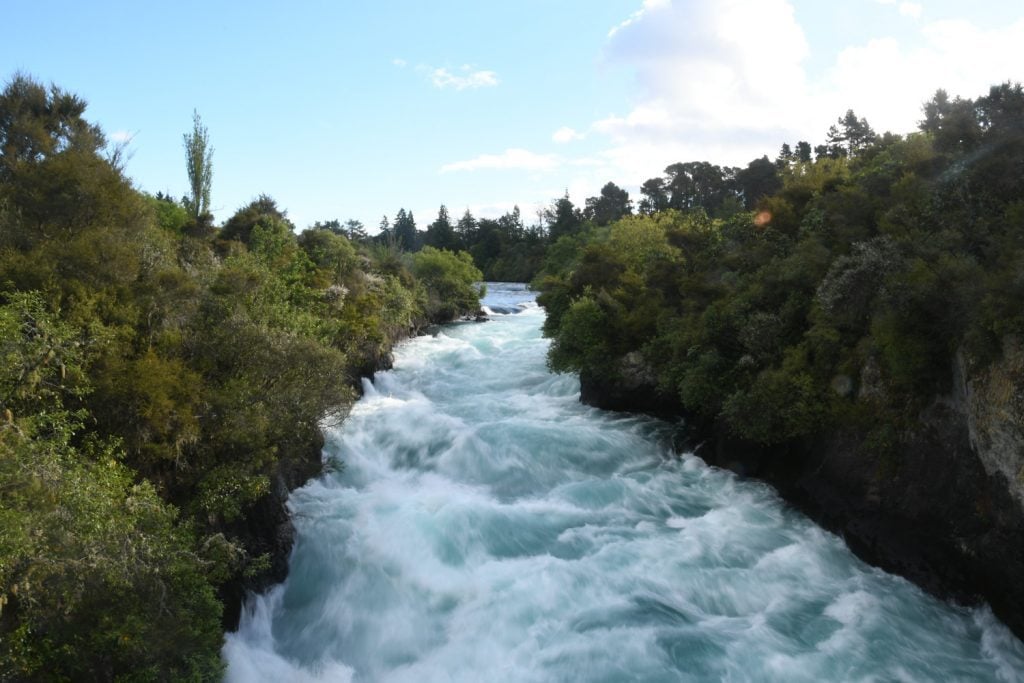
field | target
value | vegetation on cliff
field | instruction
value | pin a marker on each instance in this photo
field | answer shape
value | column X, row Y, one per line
column 157, row 372
column 802, row 295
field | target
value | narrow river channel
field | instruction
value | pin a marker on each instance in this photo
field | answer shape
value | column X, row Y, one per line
column 486, row 526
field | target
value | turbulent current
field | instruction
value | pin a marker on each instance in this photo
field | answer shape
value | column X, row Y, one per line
column 483, row 525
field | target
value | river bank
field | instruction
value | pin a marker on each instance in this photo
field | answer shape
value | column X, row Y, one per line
column 935, row 516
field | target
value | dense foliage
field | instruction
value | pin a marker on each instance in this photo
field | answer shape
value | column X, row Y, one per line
column 157, row 373
column 840, row 300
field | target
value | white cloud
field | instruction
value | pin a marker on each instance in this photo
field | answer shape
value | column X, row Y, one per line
column 652, row 118
column 911, row 9
column 463, row 78
column 727, row 81
column 887, row 81
column 907, row 9
column 121, row 136
column 399, row 62
column 566, row 134
column 717, row 81
column 510, row 159
column 648, row 7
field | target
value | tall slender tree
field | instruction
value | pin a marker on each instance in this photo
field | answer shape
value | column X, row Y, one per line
column 466, row 228
column 405, row 231
column 441, row 233
column 199, row 164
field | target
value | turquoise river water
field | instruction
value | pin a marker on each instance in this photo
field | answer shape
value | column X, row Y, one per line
column 486, row 526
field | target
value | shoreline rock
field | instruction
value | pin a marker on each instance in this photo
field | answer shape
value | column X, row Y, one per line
column 267, row 528
column 933, row 514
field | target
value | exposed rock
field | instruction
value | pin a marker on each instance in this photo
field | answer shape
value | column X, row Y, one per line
column 266, row 528
column 937, row 512
column 994, row 401
column 634, row 388
column 871, row 384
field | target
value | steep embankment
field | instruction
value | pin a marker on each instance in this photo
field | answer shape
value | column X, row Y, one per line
column 267, row 528
column 946, row 512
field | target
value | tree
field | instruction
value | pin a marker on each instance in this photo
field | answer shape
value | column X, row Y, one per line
column 487, row 245
column 699, row 184
column 803, row 151
column 511, row 223
column 785, row 157
column 759, row 179
column 613, row 203
column 199, row 164
column 563, row 218
column 935, row 110
column 849, row 136
column 330, row 252
column 859, row 135
column 37, row 123
column 835, row 143
column 264, row 208
column 655, row 196
column 405, row 231
column 334, row 225
column 450, row 280
column 441, row 233
column 466, row 227
column 355, row 230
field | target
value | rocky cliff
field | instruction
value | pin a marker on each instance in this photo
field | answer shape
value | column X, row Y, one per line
column 946, row 510
column 266, row 529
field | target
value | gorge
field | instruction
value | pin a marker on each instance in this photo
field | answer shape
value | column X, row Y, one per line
column 483, row 522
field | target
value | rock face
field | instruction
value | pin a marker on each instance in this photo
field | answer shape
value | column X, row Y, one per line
column 945, row 512
column 267, row 529
column 994, row 401
column 633, row 389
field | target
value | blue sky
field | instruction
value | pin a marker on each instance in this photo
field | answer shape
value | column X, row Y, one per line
column 354, row 110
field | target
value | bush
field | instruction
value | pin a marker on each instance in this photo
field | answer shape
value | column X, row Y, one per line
column 450, row 282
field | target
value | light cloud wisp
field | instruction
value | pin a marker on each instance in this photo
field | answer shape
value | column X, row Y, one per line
column 464, row 78
column 566, row 134
column 510, row 159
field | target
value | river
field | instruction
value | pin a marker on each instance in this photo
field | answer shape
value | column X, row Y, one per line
column 485, row 526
